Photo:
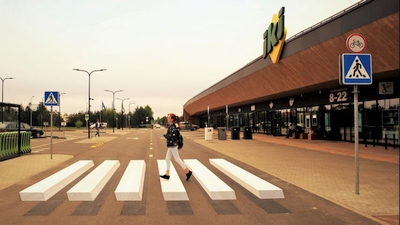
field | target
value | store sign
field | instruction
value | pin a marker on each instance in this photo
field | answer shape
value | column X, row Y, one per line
column 274, row 37
column 386, row 88
column 338, row 96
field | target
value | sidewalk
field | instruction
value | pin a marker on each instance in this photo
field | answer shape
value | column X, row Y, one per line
column 378, row 153
column 324, row 168
column 328, row 170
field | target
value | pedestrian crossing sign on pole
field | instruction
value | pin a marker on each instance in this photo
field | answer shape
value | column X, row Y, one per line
column 356, row 69
column 51, row 98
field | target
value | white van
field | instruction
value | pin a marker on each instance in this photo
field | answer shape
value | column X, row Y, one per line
column 103, row 125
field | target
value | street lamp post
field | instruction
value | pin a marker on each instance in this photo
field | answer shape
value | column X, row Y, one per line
column 2, row 86
column 130, row 103
column 30, row 106
column 59, row 109
column 113, row 106
column 2, row 93
column 89, row 94
column 122, row 110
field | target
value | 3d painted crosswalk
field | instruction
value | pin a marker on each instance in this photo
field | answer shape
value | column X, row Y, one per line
column 214, row 187
column 90, row 186
column 43, row 190
column 172, row 189
column 130, row 187
column 259, row 187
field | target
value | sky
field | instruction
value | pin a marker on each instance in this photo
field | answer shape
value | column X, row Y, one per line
column 161, row 53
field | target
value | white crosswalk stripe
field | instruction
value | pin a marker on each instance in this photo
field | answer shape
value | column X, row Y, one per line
column 90, row 186
column 215, row 187
column 259, row 187
column 46, row 188
column 172, row 189
column 130, row 187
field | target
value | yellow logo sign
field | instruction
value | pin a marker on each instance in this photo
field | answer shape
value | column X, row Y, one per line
column 274, row 37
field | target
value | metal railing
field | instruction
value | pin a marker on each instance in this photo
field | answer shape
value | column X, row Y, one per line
column 12, row 145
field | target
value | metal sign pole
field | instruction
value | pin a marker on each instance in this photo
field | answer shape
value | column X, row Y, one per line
column 208, row 116
column 355, row 68
column 51, row 98
column 357, row 191
column 51, row 132
column 227, row 118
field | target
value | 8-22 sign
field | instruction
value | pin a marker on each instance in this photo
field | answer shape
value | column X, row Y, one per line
column 338, row 96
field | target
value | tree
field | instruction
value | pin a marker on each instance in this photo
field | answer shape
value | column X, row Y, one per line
column 141, row 115
column 78, row 124
column 40, row 115
column 75, row 117
column 43, row 115
column 162, row 121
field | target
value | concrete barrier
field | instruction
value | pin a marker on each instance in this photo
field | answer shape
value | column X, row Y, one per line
column 90, row 186
column 259, row 187
column 46, row 188
column 214, row 187
column 130, row 187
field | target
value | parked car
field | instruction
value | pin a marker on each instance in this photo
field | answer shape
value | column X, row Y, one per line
column 188, row 126
column 195, row 126
column 157, row 125
column 13, row 126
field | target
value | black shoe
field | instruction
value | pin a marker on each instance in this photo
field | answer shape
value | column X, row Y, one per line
column 188, row 175
column 165, row 176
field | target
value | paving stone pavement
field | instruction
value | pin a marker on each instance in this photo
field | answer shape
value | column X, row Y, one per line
column 324, row 168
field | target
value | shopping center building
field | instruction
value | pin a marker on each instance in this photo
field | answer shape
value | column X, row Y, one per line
column 303, row 79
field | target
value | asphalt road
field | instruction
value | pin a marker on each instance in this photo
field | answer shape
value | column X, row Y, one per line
column 298, row 206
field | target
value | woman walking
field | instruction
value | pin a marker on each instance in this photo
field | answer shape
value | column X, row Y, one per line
column 172, row 136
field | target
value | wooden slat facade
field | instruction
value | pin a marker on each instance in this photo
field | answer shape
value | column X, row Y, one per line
column 311, row 69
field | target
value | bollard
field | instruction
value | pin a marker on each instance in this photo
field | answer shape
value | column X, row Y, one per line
column 385, row 141
column 365, row 140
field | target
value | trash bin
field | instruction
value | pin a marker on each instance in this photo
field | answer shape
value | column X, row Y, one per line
column 221, row 133
column 235, row 133
column 208, row 133
column 247, row 133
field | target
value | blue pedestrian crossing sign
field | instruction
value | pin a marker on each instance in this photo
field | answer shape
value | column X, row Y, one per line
column 356, row 69
column 51, row 98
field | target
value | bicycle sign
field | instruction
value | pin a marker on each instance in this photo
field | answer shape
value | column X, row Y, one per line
column 356, row 43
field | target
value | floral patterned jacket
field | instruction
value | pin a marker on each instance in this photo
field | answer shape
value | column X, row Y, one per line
column 172, row 135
